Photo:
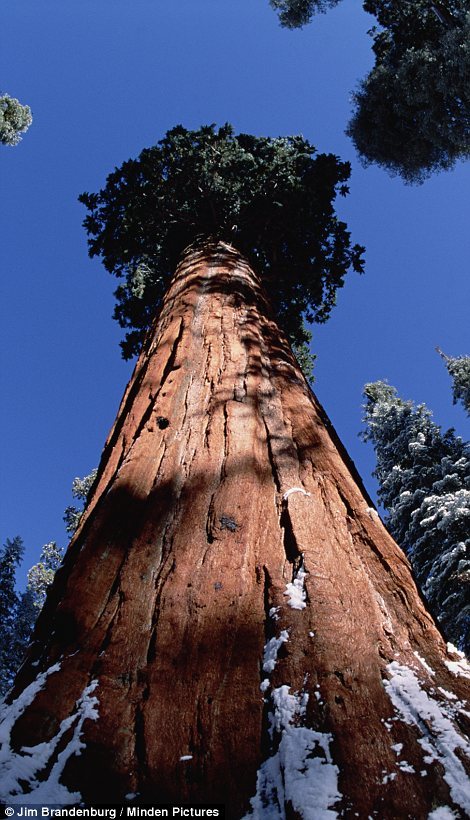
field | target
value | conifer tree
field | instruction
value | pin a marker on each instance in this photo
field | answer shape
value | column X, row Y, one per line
column 80, row 490
column 18, row 611
column 272, row 198
column 25, row 617
column 297, row 13
column 424, row 485
column 41, row 575
column 232, row 623
column 16, row 614
column 15, row 119
column 459, row 371
column 412, row 111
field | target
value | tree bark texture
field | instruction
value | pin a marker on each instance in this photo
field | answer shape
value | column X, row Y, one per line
column 232, row 593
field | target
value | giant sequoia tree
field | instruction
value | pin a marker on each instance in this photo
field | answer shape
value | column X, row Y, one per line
column 232, row 622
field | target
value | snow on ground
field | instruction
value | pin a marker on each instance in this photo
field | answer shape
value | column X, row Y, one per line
column 440, row 740
column 26, row 765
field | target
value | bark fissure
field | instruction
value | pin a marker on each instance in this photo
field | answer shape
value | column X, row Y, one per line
column 291, row 547
column 272, row 461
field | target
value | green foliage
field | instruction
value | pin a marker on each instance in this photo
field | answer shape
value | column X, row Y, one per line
column 80, row 489
column 297, row 13
column 41, row 575
column 413, row 110
column 459, row 371
column 305, row 358
column 25, row 618
column 15, row 119
column 424, row 484
column 16, row 614
column 271, row 198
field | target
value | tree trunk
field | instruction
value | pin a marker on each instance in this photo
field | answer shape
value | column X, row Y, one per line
column 232, row 622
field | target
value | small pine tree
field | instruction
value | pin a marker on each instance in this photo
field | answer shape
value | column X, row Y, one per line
column 80, row 489
column 41, row 575
column 25, row 617
column 15, row 119
column 459, row 371
column 424, row 484
column 16, row 613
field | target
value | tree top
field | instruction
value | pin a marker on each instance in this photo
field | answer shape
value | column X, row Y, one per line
column 297, row 13
column 271, row 198
column 15, row 119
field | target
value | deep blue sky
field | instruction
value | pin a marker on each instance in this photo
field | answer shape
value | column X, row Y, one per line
column 106, row 78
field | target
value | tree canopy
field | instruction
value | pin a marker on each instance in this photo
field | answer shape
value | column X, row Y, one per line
column 297, row 13
column 424, row 484
column 15, row 119
column 272, row 198
column 412, row 111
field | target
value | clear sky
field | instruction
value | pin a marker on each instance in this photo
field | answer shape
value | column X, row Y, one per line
column 106, row 78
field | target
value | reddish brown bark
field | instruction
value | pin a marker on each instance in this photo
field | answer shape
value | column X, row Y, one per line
column 188, row 543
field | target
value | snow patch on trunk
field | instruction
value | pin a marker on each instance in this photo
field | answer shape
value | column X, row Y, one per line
column 460, row 667
column 25, row 766
column 301, row 771
column 294, row 490
column 295, row 591
column 442, row 813
column 424, row 663
column 271, row 649
column 440, row 739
